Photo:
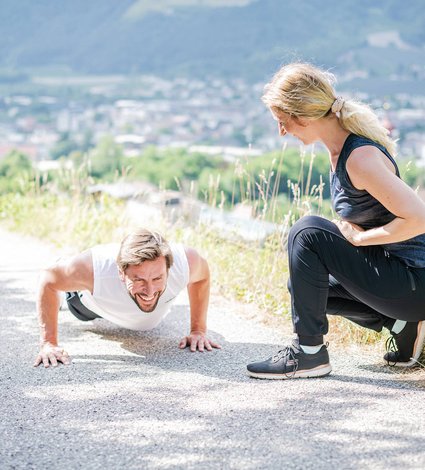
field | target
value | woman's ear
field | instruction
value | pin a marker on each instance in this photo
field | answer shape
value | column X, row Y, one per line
column 121, row 275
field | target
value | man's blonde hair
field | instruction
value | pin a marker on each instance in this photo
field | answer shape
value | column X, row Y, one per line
column 143, row 245
column 304, row 91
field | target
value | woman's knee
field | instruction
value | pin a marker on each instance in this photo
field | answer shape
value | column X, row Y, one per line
column 311, row 222
column 310, row 231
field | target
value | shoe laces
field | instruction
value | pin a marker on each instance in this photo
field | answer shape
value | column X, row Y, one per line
column 391, row 347
column 288, row 354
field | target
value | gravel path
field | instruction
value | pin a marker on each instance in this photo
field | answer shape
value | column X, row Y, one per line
column 133, row 400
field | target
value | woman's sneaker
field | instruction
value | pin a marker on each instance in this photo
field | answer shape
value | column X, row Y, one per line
column 404, row 348
column 292, row 363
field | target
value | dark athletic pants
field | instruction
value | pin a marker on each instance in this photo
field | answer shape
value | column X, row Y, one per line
column 328, row 275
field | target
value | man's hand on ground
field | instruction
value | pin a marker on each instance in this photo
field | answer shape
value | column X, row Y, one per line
column 198, row 340
column 51, row 354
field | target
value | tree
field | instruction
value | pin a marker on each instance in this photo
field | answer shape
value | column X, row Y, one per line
column 14, row 164
column 106, row 158
column 15, row 171
column 63, row 147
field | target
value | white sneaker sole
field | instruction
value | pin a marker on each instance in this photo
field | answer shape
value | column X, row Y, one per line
column 417, row 349
column 319, row 371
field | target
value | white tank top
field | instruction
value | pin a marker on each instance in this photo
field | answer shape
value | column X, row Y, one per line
column 111, row 300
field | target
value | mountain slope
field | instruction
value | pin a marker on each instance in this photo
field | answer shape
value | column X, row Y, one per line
column 249, row 39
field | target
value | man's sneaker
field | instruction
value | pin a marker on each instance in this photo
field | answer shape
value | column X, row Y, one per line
column 404, row 348
column 292, row 363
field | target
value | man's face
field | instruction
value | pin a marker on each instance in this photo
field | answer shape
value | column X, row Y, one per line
column 146, row 282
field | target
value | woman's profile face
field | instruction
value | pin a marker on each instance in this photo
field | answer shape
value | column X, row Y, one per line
column 283, row 121
column 288, row 124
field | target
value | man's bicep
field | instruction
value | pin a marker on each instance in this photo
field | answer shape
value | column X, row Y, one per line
column 69, row 275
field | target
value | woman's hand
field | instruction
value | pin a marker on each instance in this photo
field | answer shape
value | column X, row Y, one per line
column 351, row 232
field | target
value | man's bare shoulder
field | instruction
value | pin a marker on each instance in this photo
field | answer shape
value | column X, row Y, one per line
column 198, row 266
column 72, row 273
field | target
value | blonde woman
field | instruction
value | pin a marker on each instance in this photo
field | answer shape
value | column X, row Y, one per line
column 369, row 265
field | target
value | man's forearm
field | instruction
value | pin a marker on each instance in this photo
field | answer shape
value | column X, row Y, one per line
column 199, row 294
column 48, row 304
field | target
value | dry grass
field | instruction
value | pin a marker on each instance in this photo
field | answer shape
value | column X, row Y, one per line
column 65, row 221
column 252, row 273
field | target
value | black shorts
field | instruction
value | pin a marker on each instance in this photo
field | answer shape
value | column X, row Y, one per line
column 77, row 308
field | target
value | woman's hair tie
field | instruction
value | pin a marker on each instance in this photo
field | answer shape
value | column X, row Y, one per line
column 337, row 105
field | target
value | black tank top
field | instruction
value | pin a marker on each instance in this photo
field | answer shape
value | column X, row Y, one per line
column 359, row 207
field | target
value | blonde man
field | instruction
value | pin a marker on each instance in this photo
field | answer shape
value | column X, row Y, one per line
column 132, row 285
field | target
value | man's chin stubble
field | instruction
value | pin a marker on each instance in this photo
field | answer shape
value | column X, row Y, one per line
column 151, row 309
